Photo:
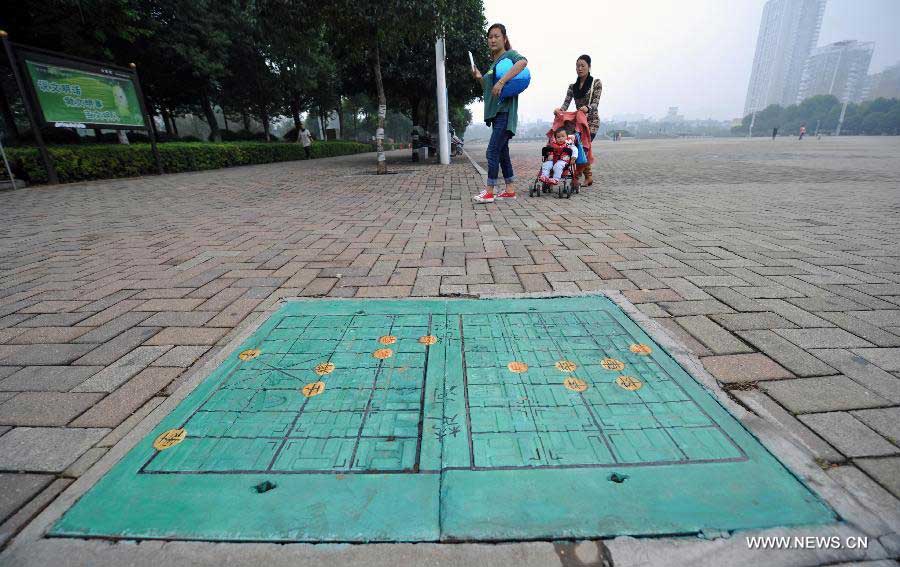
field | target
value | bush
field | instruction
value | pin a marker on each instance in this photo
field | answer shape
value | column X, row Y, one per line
column 97, row 161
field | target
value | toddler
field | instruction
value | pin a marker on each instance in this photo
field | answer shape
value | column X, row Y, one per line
column 557, row 155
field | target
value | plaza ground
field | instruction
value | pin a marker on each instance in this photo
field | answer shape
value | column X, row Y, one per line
column 776, row 263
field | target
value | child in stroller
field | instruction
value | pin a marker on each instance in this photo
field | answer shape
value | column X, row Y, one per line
column 559, row 157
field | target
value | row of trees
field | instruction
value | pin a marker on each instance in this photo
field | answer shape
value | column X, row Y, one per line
column 872, row 117
column 264, row 58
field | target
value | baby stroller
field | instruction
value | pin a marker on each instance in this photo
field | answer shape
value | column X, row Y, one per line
column 574, row 122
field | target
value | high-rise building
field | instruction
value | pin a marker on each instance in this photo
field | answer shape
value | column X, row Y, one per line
column 840, row 69
column 885, row 84
column 787, row 33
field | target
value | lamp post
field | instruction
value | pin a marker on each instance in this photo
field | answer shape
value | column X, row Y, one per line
column 443, row 120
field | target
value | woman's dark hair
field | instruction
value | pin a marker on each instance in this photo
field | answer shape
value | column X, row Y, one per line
column 502, row 29
column 585, row 58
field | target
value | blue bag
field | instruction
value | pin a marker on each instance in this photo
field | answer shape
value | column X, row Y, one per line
column 515, row 85
column 582, row 155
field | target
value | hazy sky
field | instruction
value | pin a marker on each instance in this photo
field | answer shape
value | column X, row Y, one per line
column 652, row 54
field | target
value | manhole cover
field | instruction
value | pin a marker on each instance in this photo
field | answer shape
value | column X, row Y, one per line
column 444, row 420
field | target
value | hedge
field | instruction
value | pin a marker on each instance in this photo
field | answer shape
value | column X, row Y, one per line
column 102, row 161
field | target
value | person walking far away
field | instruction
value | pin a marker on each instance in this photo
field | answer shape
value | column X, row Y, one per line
column 500, row 114
column 304, row 137
column 586, row 91
column 802, row 132
column 774, row 132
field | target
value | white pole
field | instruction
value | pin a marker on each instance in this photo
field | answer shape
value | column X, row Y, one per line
column 752, row 120
column 841, row 119
column 443, row 122
column 12, row 179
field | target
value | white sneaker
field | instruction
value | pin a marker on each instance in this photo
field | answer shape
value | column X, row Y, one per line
column 484, row 197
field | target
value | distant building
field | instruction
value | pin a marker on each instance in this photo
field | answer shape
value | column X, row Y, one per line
column 672, row 115
column 885, row 84
column 635, row 117
column 787, row 33
column 838, row 69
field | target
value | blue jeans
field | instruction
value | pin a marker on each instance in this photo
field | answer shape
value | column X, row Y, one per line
column 498, row 151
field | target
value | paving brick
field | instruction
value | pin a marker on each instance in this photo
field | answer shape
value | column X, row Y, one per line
column 45, row 449
column 862, row 329
column 825, row 304
column 179, row 319
column 19, row 489
column 884, row 358
column 886, row 421
column 822, row 338
column 181, row 356
column 736, row 300
column 871, row 494
column 186, row 304
column 683, row 337
column 129, row 397
column 688, row 308
column 736, row 368
column 112, row 328
column 84, row 462
column 849, row 435
column 123, row 369
column 763, row 405
column 41, row 335
column 750, row 321
column 885, row 471
column 861, row 370
column 48, row 378
column 45, row 354
column 881, row 317
column 786, row 353
column 793, row 313
column 318, row 286
column 115, row 349
column 26, row 513
column 138, row 416
column 686, row 289
column 109, row 313
column 8, row 371
column 45, row 408
column 717, row 339
column 651, row 296
column 822, row 394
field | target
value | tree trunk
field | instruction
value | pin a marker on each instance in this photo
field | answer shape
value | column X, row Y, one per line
column 167, row 120
column 382, row 111
column 414, row 111
column 246, row 119
column 295, row 110
column 225, row 117
column 264, row 117
column 340, row 113
column 214, row 135
column 174, row 119
column 9, row 120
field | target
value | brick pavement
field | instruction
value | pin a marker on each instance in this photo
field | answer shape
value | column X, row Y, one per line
column 778, row 263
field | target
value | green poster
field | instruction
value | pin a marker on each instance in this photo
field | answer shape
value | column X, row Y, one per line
column 74, row 96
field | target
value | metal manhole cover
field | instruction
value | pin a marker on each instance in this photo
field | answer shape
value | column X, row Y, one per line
column 444, row 420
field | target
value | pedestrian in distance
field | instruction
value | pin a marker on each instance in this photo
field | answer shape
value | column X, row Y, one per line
column 501, row 114
column 305, row 138
column 774, row 132
column 802, row 131
column 585, row 91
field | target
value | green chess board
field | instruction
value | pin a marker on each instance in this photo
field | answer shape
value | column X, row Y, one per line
column 444, row 420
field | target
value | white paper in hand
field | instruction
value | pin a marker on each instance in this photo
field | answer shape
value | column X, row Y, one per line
column 471, row 60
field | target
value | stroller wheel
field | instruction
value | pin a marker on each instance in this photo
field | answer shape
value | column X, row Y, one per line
column 534, row 191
